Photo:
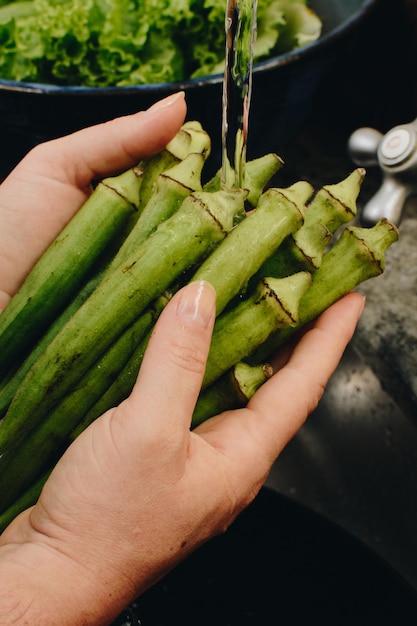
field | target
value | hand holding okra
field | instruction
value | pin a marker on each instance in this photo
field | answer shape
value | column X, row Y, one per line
column 42, row 194
column 138, row 490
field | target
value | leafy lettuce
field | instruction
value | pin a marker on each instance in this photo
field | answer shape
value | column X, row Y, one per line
column 99, row 43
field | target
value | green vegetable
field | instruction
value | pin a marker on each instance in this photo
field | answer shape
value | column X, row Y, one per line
column 238, row 331
column 25, row 500
column 359, row 254
column 21, row 464
column 13, row 380
column 200, row 224
column 232, row 390
column 170, row 189
column 247, row 247
column 257, row 173
column 190, row 138
column 117, row 391
column 331, row 207
column 274, row 268
column 63, row 268
column 100, row 43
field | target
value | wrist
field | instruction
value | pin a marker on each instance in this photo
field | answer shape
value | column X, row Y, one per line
column 42, row 587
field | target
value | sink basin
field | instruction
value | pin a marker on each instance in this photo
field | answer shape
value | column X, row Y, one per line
column 355, row 462
column 279, row 563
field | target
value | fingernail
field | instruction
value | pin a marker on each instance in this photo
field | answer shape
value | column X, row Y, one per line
column 197, row 304
column 166, row 102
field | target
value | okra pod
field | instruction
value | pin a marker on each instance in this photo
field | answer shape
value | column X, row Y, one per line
column 24, row 501
column 117, row 391
column 331, row 207
column 257, row 174
column 235, row 334
column 190, row 138
column 10, row 387
column 22, row 463
column 359, row 254
column 231, row 391
column 238, row 331
column 251, row 242
column 123, row 384
column 171, row 187
column 199, row 225
column 61, row 270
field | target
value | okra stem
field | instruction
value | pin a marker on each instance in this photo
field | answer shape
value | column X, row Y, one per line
column 232, row 390
column 190, row 138
column 274, row 304
column 331, row 207
column 358, row 255
column 171, row 187
column 257, row 174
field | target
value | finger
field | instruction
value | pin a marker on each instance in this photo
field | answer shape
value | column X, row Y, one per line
column 279, row 408
column 106, row 148
column 171, row 374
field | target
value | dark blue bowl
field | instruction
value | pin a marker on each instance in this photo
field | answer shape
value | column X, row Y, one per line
column 283, row 88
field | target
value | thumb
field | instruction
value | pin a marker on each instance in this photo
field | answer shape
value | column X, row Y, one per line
column 172, row 370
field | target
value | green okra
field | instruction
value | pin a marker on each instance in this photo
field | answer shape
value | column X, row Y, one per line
column 238, row 331
column 190, row 138
column 176, row 183
column 61, row 270
column 245, row 249
column 359, row 254
column 127, row 184
column 8, row 390
column 23, row 462
column 202, row 221
column 118, row 391
column 171, row 187
column 231, row 391
column 123, row 384
column 335, row 205
column 27, row 499
column 257, row 174
column 233, row 336
column 331, row 207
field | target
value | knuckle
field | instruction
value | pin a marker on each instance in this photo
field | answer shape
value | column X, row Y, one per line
column 188, row 354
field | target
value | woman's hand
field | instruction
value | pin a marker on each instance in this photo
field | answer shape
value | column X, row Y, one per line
column 138, row 491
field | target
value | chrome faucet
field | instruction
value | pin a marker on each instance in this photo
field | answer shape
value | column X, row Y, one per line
column 395, row 153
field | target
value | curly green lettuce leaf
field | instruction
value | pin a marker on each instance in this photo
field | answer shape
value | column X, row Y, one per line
column 101, row 43
column 302, row 26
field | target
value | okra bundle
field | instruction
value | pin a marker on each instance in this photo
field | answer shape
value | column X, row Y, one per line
column 277, row 257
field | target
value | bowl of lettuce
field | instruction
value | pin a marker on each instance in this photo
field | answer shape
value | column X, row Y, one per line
column 66, row 64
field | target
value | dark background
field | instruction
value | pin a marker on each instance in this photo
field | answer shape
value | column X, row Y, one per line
column 372, row 83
